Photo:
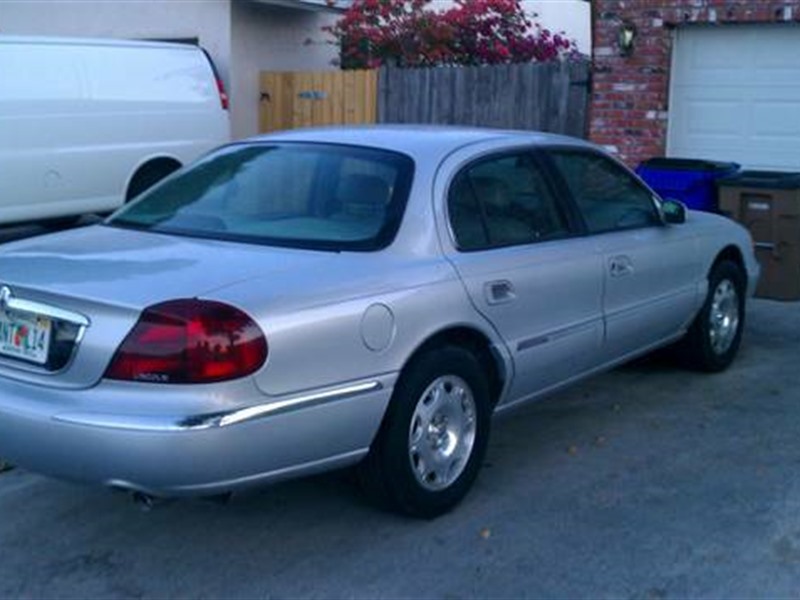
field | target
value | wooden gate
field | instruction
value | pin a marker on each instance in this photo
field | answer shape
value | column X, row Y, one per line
column 305, row 99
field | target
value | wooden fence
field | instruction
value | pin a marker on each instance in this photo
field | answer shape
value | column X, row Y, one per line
column 542, row 96
column 302, row 99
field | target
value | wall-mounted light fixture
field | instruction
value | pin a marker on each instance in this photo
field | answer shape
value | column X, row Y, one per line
column 626, row 37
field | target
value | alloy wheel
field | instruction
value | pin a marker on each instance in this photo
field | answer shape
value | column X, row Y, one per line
column 441, row 436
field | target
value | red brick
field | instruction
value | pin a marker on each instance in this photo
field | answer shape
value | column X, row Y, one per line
column 648, row 68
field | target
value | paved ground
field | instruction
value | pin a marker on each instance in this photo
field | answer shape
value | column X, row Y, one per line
column 649, row 482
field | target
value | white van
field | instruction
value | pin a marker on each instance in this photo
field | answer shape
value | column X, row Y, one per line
column 86, row 125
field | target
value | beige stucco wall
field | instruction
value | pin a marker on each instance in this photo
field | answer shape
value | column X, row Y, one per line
column 267, row 38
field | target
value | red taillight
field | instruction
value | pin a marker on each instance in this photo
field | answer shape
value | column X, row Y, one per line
column 190, row 341
column 223, row 95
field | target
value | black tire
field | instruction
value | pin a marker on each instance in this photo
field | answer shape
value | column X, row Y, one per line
column 703, row 348
column 393, row 474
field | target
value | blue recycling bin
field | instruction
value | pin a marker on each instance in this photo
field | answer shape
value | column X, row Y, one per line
column 692, row 181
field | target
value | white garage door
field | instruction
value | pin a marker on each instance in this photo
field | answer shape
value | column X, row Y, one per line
column 735, row 95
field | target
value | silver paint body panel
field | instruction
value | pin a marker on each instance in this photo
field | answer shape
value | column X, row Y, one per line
column 340, row 327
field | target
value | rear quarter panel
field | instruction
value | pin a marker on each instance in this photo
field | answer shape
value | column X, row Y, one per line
column 362, row 319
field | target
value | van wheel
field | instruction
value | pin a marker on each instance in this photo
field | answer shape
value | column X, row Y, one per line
column 713, row 340
column 433, row 439
column 148, row 175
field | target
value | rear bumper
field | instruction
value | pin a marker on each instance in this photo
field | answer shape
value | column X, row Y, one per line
column 104, row 436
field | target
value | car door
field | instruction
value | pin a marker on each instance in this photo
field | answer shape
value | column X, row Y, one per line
column 651, row 270
column 514, row 246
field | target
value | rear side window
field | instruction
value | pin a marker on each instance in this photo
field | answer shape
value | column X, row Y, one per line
column 503, row 201
column 608, row 197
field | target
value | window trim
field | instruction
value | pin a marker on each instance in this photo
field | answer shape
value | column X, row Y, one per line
column 558, row 176
column 567, row 210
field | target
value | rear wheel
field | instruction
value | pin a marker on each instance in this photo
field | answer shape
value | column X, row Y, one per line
column 433, row 438
column 713, row 340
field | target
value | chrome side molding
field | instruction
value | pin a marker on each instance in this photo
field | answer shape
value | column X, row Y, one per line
column 216, row 420
column 254, row 412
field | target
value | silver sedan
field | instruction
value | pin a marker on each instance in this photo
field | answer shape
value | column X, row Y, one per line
column 365, row 296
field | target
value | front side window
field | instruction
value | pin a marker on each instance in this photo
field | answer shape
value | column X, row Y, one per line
column 315, row 196
column 608, row 197
column 503, row 201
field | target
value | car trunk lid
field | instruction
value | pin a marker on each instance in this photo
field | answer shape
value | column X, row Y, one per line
column 92, row 284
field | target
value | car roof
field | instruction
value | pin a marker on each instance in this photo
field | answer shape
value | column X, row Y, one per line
column 415, row 140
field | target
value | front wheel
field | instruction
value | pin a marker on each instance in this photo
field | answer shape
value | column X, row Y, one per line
column 713, row 340
column 433, row 439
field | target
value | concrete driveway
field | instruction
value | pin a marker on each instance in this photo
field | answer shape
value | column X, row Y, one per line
column 648, row 482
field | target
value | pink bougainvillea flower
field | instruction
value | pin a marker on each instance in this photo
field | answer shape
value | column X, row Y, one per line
column 409, row 33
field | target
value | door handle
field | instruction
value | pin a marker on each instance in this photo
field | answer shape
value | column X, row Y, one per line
column 498, row 292
column 620, row 266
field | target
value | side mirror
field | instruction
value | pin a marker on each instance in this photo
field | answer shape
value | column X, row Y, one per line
column 674, row 212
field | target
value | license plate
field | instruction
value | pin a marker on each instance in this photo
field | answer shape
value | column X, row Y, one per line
column 25, row 336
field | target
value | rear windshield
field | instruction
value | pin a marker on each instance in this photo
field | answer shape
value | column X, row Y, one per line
column 315, row 196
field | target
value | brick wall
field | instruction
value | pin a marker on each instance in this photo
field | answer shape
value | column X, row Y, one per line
column 630, row 95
